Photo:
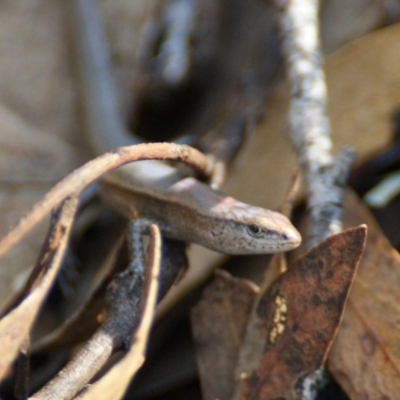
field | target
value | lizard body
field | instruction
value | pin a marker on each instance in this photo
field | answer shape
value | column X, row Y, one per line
column 184, row 208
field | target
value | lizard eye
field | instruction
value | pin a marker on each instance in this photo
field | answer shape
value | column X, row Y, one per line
column 255, row 230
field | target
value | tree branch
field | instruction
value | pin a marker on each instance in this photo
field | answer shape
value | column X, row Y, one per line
column 309, row 128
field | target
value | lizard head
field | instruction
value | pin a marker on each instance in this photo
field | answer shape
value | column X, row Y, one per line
column 247, row 229
column 224, row 224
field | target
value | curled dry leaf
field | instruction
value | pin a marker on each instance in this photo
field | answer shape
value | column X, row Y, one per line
column 114, row 383
column 126, row 300
column 15, row 326
column 365, row 356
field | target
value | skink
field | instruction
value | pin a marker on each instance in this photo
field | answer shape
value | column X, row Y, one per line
column 183, row 207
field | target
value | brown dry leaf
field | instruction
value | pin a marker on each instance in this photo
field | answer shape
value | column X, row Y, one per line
column 365, row 357
column 297, row 317
column 218, row 323
column 15, row 326
column 364, row 92
column 274, row 344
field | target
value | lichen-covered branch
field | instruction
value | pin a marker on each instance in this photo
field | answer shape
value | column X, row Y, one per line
column 309, row 129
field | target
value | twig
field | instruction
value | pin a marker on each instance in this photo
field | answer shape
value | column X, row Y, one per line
column 126, row 301
column 88, row 173
column 308, row 123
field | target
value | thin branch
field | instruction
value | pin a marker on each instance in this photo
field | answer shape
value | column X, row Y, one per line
column 309, row 128
column 88, row 173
